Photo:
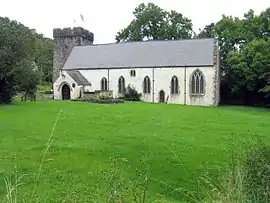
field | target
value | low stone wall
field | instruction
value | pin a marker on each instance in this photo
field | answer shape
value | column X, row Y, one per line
column 101, row 97
column 89, row 95
column 97, row 95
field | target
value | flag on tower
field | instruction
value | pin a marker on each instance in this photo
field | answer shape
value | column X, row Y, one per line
column 82, row 17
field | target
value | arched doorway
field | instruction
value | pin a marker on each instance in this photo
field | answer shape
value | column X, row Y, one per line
column 65, row 92
column 161, row 96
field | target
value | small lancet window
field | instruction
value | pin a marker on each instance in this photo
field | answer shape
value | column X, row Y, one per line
column 174, row 85
column 104, row 84
column 121, row 85
column 146, row 85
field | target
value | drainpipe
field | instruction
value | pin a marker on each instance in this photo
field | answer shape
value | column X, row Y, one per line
column 185, row 86
column 108, row 79
column 153, row 92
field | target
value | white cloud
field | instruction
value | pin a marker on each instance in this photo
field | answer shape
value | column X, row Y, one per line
column 106, row 17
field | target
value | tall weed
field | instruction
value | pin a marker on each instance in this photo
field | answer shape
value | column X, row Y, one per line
column 12, row 186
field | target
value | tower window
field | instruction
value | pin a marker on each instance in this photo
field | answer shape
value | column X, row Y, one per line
column 132, row 73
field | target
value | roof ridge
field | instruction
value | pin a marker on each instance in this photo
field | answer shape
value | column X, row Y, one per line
column 148, row 41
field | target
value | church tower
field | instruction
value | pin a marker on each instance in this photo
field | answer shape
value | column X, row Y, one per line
column 64, row 41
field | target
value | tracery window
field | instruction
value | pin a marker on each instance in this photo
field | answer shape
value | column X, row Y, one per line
column 197, row 83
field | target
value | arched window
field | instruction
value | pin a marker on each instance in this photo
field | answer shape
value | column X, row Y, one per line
column 104, row 84
column 174, row 85
column 121, row 85
column 197, row 83
column 146, row 85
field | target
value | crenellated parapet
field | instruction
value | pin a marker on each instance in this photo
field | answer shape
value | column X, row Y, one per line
column 73, row 32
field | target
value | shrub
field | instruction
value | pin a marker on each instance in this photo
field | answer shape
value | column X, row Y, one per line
column 105, row 95
column 131, row 94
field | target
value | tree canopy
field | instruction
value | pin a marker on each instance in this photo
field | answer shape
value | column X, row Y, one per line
column 245, row 49
column 154, row 23
column 26, row 58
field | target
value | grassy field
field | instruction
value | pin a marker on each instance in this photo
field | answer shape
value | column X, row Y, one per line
column 176, row 144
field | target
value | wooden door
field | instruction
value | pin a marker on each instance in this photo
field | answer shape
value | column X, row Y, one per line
column 162, row 96
column 65, row 92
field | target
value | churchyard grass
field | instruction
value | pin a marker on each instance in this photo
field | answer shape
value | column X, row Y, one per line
column 63, row 151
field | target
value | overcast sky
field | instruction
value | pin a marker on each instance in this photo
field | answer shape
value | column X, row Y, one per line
column 105, row 17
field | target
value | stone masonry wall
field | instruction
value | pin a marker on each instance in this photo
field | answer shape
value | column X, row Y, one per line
column 64, row 41
column 216, row 78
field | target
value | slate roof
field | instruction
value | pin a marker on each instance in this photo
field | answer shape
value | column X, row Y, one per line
column 78, row 77
column 194, row 52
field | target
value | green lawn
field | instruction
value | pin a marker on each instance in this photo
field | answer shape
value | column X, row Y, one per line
column 178, row 143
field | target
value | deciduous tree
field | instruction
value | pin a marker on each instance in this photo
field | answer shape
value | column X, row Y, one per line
column 250, row 67
column 208, row 31
column 20, row 49
column 16, row 44
column 154, row 23
column 244, row 45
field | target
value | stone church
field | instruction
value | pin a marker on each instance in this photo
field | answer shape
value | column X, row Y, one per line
column 173, row 71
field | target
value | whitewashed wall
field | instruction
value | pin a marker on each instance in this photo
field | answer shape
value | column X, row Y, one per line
column 163, row 78
column 136, row 82
column 94, row 77
column 162, row 81
column 57, row 87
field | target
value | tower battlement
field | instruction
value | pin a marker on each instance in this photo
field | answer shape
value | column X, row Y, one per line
column 64, row 41
column 73, row 32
